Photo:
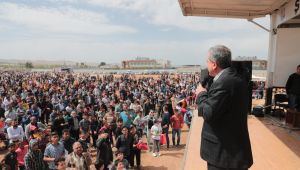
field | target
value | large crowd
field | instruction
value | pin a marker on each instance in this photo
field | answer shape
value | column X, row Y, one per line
column 53, row 120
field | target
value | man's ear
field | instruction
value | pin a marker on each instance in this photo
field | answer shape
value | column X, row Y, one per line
column 214, row 65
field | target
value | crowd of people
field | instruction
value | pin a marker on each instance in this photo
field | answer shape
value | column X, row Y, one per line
column 52, row 120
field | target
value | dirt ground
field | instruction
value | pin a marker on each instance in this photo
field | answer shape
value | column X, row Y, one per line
column 170, row 158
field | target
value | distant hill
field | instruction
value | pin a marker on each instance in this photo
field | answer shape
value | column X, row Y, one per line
column 41, row 62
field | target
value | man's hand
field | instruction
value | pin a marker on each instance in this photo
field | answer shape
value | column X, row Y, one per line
column 199, row 89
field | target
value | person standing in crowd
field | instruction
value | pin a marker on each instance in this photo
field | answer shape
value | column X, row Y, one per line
column 15, row 132
column 34, row 158
column 74, row 125
column 165, row 123
column 21, row 152
column 120, row 158
column 139, row 123
column 94, row 129
column 54, row 151
column 110, row 118
column 188, row 116
column 85, row 124
column 10, row 113
column 67, row 141
column 20, row 112
column 120, row 166
column 78, row 159
column 59, row 124
column 125, row 116
column 10, row 159
column 61, row 164
column 46, row 110
column 155, row 134
column 84, row 140
column 135, row 152
column 104, row 152
column 149, row 119
column 293, row 89
column 124, row 143
column 33, row 126
column 118, row 130
column 225, row 140
column 176, row 124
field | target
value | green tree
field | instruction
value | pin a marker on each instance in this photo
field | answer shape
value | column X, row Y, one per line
column 102, row 64
column 28, row 65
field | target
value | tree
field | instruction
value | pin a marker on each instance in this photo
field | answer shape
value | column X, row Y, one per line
column 102, row 64
column 28, row 65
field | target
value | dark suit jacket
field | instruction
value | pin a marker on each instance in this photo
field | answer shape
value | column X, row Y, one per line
column 225, row 139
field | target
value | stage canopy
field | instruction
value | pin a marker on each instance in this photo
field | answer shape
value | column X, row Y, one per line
column 247, row 9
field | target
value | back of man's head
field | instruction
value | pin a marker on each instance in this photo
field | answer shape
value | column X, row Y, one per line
column 221, row 55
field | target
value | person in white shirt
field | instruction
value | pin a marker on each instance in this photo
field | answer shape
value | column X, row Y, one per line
column 15, row 133
column 7, row 102
column 156, row 132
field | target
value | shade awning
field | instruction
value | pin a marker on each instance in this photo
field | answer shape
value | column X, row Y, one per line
column 247, row 9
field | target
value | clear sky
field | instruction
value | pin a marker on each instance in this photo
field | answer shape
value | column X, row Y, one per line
column 112, row 30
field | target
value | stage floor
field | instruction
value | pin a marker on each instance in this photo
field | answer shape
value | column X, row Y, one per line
column 273, row 147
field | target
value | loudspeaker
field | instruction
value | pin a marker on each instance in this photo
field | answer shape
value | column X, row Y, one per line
column 258, row 111
column 244, row 69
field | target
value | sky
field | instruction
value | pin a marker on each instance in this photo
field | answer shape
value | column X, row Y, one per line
column 113, row 30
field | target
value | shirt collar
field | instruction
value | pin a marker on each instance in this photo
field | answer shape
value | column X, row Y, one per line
column 218, row 75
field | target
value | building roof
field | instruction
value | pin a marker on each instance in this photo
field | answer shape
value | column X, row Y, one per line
column 247, row 9
column 139, row 61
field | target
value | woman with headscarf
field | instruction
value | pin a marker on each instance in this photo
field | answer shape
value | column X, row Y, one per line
column 34, row 158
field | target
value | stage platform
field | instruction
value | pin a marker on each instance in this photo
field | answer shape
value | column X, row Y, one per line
column 273, row 147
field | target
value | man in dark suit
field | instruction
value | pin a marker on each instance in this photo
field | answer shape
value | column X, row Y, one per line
column 225, row 143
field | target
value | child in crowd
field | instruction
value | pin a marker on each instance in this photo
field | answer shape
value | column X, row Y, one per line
column 21, row 152
column 10, row 160
column 135, row 152
column 121, row 166
column 120, row 158
column 156, row 132
column 139, row 123
column 61, row 164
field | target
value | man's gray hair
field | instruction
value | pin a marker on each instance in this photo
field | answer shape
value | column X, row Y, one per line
column 76, row 143
column 221, row 55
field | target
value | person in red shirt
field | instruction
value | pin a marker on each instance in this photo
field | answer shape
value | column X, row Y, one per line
column 176, row 124
column 21, row 152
